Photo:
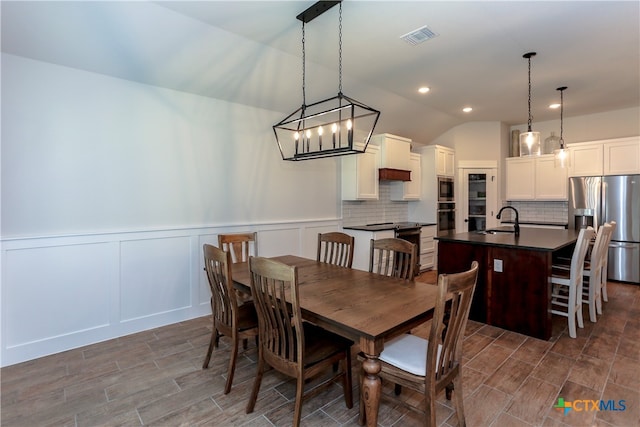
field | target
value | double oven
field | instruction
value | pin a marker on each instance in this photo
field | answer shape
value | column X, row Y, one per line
column 446, row 212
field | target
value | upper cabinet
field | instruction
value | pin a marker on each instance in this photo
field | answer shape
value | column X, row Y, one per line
column 394, row 151
column 445, row 161
column 409, row 190
column 608, row 157
column 535, row 178
column 360, row 174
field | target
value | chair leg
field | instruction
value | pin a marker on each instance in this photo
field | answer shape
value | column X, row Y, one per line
column 604, row 291
column 256, row 383
column 430, row 408
column 212, row 343
column 232, row 366
column 297, row 409
column 397, row 389
column 458, row 400
column 448, row 391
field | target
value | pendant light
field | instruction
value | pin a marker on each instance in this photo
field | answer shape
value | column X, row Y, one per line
column 561, row 156
column 529, row 140
column 333, row 127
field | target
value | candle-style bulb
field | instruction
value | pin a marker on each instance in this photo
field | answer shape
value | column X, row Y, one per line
column 296, row 137
column 308, row 138
column 320, row 131
column 349, row 132
column 334, row 128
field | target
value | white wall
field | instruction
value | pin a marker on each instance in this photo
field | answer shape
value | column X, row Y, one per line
column 86, row 153
column 109, row 190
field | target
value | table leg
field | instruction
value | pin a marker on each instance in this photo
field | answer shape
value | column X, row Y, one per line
column 371, row 389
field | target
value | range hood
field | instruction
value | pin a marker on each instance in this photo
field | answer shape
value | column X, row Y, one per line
column 389, row 174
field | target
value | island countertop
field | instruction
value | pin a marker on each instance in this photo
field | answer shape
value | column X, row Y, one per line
column 537, row 239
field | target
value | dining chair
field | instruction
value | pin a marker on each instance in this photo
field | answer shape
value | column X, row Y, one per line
column 605, row 265
column 393, row 257
column 594, row 274
column 335, row 248
column 241, row 246
column 566, row 295
column 289, row 345
column 429, row 366
column 238, row 322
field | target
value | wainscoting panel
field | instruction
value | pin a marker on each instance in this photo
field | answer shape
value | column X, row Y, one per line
column 65, row 292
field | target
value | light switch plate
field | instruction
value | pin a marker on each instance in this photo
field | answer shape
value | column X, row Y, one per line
column 497, row 265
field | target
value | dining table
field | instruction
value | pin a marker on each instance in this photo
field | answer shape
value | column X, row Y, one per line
column 365, row 307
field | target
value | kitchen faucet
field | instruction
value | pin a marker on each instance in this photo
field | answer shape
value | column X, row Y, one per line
column 516, row 227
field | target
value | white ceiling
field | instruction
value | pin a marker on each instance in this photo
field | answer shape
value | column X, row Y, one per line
column 250, row 52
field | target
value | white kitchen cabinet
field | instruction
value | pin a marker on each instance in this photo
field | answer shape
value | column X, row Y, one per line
column 535, row 178
column 362, row 245
column 445, row 161
column 550, row 181
column 520, row 178
column 622, row 157
column 619, row 156
column 394, row 151
column 427, row 247
column 409, row 190
column 360, row 174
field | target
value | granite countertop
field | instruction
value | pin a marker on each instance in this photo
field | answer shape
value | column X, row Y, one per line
column 531, row 239
column 388, row 226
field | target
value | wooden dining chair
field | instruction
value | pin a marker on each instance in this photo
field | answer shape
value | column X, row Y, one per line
column 335, row 248
column 238, row 322
column 594, row 271
column 566, row 295
column 291, row 346
column 241, row 245
column 430, row 366
column 393, row 257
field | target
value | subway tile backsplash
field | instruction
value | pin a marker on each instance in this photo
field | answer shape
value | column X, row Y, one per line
column 375, row 211
column 539, row 211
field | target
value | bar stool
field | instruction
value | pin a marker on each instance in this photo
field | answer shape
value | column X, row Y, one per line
column 566, row 296
column 595, row 273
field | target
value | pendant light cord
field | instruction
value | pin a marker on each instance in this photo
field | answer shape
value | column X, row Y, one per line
column 304, row 98
column 340, row 50
column 561, row 89
column 529, row 101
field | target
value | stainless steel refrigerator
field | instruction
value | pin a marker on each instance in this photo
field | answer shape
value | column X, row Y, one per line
column 595, row 200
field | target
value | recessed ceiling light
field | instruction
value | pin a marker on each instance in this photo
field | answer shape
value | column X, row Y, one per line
column 554, row 106
column 424, row 89
column 467, row 109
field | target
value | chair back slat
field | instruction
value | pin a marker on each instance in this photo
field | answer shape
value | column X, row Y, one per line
column 335, row 248
column 393, row 257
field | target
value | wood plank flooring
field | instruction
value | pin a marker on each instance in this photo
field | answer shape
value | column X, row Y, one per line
column 155, row 378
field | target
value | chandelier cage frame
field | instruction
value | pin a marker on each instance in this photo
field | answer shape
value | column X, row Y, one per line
column 336, row 126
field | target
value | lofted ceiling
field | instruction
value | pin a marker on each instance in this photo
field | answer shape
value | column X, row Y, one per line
column 250, row 52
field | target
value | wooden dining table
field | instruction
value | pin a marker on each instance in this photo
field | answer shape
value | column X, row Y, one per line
column 365, row 307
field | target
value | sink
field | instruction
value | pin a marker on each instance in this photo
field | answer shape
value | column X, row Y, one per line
column 495, row 231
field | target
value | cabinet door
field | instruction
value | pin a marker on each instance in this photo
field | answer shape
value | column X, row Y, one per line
column 427, row 247
column 360, row 175
column 445, row 162
column 550, row 182
column 586, row 160
column 409, row 190
column 520, row 178
column 622, row 157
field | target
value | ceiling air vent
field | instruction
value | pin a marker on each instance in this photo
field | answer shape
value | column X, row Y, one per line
column 418, row 36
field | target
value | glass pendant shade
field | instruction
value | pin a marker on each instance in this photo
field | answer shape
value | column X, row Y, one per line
column 562, row 159
column 529, row 144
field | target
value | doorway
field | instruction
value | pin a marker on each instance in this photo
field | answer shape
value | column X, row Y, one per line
column 478, row 198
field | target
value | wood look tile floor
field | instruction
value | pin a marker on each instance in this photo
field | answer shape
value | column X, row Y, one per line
column 155, row 378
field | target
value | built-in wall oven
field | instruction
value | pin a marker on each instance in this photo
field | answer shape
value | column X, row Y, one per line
column 445, row 189
column 446, row 218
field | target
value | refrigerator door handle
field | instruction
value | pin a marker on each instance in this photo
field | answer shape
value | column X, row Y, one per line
column 622, row 245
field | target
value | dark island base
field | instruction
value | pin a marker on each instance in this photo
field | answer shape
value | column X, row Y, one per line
column 516, row 299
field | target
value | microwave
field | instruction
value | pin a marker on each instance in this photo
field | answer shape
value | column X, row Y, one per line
column 445, row 189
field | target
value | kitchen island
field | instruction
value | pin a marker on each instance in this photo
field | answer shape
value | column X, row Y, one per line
column 513, row 289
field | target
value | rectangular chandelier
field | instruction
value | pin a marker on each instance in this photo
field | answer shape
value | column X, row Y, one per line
column 326, row 128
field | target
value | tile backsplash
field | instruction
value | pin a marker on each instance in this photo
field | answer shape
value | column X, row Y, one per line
column 375, row 211
column 539, row 211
